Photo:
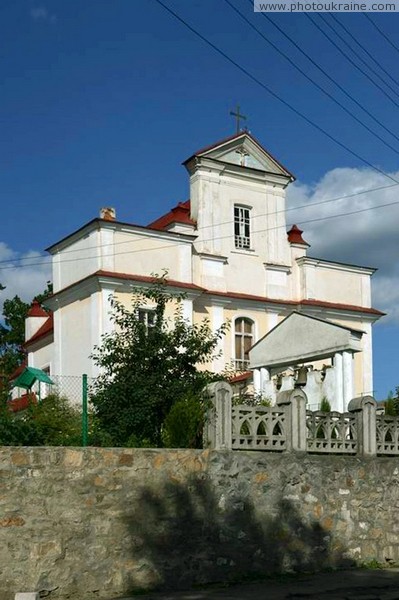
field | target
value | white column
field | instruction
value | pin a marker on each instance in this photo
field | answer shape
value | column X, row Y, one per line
column 264, row 377
column 187, row 310
column 338, row 399
column 367, row 361
column 218, row 363
column 347, row 379
column 257, row 381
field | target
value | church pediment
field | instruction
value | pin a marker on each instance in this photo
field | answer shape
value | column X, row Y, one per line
column 245, row 151
column 301, row 338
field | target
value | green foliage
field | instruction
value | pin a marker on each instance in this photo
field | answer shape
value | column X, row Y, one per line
column 12, row 335
column 325, row 405
column 391, row 404
column 12, row 332
column 256, row 399
column 183, row 426
column 52, row 422
column 145, row 371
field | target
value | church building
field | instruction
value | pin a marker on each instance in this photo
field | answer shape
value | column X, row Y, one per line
column 228, row 249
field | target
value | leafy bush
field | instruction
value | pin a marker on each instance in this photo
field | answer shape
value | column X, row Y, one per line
column 52, row 422
column 184, row 424
column 325, row 405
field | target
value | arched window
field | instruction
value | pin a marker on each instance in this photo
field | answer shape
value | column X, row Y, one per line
column 244, row 339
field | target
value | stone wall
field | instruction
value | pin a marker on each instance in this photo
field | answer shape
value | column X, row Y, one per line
column 100, row 523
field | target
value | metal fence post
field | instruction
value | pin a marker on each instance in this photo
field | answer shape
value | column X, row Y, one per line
column 84, row 411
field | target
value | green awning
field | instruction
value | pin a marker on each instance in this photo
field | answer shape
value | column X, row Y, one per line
column 29, row 376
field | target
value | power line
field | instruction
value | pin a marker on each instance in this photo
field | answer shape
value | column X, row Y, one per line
column 312, row 81
column 271, row 92
column 289, row 209
column 168, row 246
column 357, row 54
column 326, row 74
column 350, row 34
column 349, row 59
column 374, row 24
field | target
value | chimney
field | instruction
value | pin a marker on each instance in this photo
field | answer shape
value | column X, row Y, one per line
column 108, row 213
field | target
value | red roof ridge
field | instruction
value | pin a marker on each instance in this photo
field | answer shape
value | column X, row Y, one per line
column 295, row 236
column 178, row 214
column 148, row 279
column 36, row 310
column 43, row 331
column 238, row 295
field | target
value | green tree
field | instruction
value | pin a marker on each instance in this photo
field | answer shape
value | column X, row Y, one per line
column 146, row 370
column 391, row 403
column 12, row 331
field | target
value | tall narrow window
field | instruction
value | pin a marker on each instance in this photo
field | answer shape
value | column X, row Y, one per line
column 242, row 238
column 147, row 316
column 244, row 335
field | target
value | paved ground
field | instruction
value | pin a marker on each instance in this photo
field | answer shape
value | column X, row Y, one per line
column 339, row 585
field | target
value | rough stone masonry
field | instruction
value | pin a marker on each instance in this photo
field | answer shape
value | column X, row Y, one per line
column 98, row 523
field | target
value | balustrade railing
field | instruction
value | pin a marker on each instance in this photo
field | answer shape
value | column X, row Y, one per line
column 258, row 428
column 387, row 431
column 289, row 426
column 331, row 433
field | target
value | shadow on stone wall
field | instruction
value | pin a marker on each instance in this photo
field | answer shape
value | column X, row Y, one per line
column 188, row 534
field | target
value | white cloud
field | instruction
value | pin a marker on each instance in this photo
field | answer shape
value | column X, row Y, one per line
column 368, row 238
column 40, row 13
column 24, row 275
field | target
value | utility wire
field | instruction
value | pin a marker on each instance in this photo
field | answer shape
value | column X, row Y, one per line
column 384, row 35
column 349, row 59
column 271, row 92
column 326, row 74
column 312, row 81
column 357, row 54
column 300, row 207
column 167, row 246
column 350, row 34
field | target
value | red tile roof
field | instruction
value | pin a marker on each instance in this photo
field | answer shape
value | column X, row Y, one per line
column 299, row 303
column 22, row 402
column 36, row 310
column 235, row 295
column 18, row 370
column 179, row 214
column 241, row 377
column 144, row 279
column 46, row 329
column 295, row 236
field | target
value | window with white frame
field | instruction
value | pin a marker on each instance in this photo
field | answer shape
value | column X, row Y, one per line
column 147, row 317
column 242, row 236
column 244, row 339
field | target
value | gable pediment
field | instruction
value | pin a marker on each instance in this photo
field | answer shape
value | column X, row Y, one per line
column 243, row 150
column 300, row 338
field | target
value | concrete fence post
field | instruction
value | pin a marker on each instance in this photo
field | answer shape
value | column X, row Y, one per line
column 295, row 402
column 364, row 408
column 218, row 423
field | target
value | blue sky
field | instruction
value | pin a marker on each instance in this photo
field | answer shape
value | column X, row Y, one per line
column 101, row 101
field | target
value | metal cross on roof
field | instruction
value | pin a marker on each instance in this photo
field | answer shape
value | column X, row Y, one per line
column 238, row 117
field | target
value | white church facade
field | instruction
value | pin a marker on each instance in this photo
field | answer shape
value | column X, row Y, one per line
column 228, row 250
